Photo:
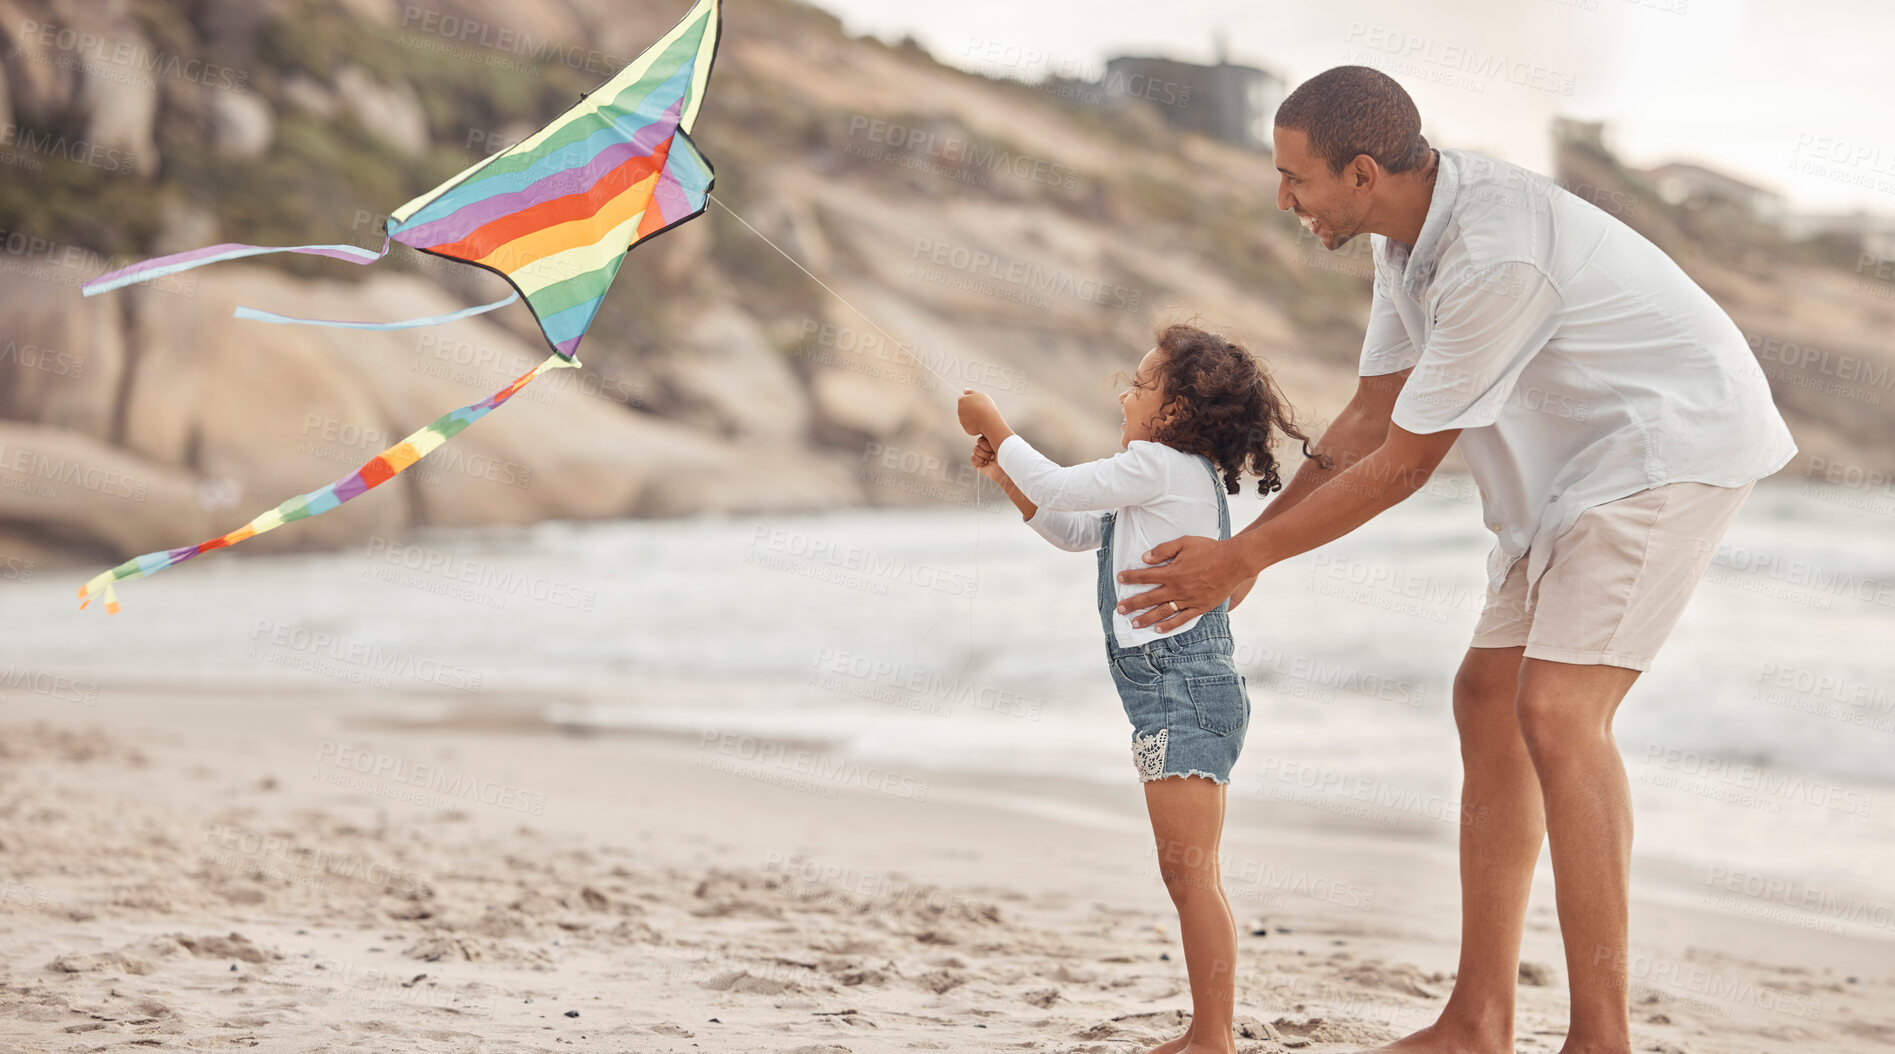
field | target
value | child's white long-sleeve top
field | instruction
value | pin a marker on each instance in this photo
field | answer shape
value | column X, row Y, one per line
column 1159, row 493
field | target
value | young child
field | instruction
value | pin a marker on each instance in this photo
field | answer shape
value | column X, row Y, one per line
column 1199, row 412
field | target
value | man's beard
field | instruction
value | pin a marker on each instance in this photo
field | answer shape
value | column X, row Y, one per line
column 1330, row 231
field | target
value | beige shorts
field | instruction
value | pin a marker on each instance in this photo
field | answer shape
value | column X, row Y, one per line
column 1616, row 584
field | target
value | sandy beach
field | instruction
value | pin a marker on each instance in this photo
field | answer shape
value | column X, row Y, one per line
column 706, row 699
column 195, row 871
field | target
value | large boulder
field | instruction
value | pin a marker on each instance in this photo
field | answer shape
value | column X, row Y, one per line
column 61, row 359
column 80, row 492
column 242, row 125
column 42, row 88
column 6, row 96
column 392, row 113
column 118, row 97
column 732, row 380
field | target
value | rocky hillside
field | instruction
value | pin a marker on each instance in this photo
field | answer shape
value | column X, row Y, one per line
column 1019, row 240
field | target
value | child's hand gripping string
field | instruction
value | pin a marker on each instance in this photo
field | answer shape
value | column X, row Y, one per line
column 987, row 462
column 980, row 417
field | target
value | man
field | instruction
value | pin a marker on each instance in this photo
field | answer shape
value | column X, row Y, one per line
column 1614, row 420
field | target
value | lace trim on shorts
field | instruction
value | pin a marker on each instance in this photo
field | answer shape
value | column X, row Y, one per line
column 1149, row 752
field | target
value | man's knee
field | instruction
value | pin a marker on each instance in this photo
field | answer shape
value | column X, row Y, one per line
column 1562, row 707
column 1553, row 725
column 1485, row 687
column 1542, row 722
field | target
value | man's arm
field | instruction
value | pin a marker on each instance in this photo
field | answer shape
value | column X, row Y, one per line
column 1395, row 470
column 1198, row 572
column 1355, row 434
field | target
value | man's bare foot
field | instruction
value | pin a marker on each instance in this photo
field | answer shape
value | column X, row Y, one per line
column 1437, row 1039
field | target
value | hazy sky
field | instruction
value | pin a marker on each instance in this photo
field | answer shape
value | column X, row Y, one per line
column 1753, row 87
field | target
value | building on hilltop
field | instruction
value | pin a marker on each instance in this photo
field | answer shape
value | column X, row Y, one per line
column 1224, row 101
column 1871, row 234
column 1588, row 135
column 1695, row 186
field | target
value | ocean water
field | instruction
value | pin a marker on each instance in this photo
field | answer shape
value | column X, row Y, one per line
column 955, row 640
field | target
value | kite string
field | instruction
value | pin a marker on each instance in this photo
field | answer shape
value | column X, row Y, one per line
column 952, row 389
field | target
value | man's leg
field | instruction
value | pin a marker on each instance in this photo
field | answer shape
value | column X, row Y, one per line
column 1501, row 830
column 1565, row 713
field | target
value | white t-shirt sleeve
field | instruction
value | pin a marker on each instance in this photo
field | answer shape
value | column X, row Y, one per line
column 1074, row 532
column 1487, row 327
column 1134, row 476
column 1385, row 346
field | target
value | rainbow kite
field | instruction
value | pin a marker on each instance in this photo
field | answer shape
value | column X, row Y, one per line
column 554, row 215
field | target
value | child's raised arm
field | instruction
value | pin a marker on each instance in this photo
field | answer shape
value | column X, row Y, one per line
column 1059, row 525
column 1071, row 531
column 1132, row 477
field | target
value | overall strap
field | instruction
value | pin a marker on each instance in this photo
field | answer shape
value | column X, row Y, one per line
column 1223, row 526
column 1223, row 506
column 1108, row 582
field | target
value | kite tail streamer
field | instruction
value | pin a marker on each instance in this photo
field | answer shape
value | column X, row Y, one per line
column 187, row 261
column 377, row 470
column 254, row 315
column 165, row 266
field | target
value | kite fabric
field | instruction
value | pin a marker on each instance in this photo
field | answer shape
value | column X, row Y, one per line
column 554, row 215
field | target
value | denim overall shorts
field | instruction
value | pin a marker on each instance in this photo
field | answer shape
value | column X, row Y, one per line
column 1183, row 694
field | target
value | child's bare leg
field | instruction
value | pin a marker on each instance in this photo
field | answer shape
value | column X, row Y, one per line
column 1187, row 819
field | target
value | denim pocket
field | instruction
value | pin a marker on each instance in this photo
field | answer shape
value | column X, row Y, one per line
column 1136, row 669
column 1219, row 700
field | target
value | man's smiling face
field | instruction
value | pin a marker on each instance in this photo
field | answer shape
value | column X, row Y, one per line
column 1332, row 206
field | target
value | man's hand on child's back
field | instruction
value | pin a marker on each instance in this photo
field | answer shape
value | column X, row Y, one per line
column 1197, row 575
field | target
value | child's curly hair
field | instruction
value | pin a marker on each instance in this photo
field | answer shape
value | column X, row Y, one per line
column 1229, row 407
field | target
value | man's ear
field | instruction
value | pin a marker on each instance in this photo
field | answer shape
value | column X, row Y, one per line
column 1363, row 172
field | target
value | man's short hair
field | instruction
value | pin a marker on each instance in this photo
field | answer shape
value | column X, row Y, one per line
column 1352, row 110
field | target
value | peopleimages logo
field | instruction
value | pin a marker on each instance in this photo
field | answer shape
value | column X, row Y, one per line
column 957, row 151
column 988, row 272
column 81, row 48
column 1826, row 904
column 452, row 785
column 503, row 40
column 361, row 661
column 1478, row 65
column 78, row 151
column 29, row 466
column 46, row 360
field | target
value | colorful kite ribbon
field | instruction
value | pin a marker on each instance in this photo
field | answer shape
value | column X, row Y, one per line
column 164, row 266
column 374, row 472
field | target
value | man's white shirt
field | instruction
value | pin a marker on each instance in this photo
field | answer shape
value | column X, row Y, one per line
column 1583, row 364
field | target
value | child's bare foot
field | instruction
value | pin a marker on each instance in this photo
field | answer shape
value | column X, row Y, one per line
column 1440, row 1039
column 1183, row 1045
column 1172, row 1046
